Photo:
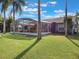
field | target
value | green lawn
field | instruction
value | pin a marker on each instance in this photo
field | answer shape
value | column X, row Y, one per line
column 50, row 47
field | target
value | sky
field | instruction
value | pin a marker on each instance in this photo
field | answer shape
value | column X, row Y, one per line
column 49, row 9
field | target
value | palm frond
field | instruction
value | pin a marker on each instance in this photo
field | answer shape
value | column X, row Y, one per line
column 18, row 4
column 4, row 5
column 22, row 2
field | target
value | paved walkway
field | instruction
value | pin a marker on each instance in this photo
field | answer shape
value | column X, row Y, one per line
column 33, row 34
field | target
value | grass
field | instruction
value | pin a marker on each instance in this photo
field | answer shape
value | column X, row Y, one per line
column 11, row 45
column 50, row 47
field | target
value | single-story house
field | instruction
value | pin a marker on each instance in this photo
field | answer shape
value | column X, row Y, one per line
column 57, row 24
column 24, row 25
column 54, row 25
column 30, row 25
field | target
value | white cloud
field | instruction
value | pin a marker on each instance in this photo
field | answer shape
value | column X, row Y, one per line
column 59, row 11
column 36, row 4
column 24, row 8
column 44, row 16
column 62, row 13
column 57, row 16
column 53, row 2
column 44, row 5
column 71, row 13
column 43, row 12
column 30, row 9
column 33, row 10
column 26, row 2
column 50, row 16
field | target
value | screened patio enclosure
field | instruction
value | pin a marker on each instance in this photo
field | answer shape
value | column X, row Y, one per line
column 28, row 25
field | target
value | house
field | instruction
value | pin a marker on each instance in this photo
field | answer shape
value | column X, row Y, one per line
column 54, row 25
column 30, row 25
column 24, row 25
column 57, row 24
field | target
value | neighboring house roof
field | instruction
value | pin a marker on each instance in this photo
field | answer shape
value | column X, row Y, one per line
column 56, row 20
column 32, row 21
column 25, row 20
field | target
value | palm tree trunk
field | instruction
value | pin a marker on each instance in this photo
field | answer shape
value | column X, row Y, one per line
column 77, row 20
column 39, row 22
column 4, row 22
column 66, row 30
column 23, row 26
column 13, row 18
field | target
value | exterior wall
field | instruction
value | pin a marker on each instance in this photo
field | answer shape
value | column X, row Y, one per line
column 57, row 27
column 53, row 27
column 60, row 27
column 45, row 27
column 74, row 22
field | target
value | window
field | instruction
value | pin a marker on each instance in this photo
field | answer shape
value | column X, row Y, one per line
column 61, row 29
column 25, row 27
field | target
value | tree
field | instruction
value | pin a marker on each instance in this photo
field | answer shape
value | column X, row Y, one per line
column 8, row 23
column 1, row 19
column 65, row 22
column 4, row 5
column 39, row 22
column 17, row 7
column 1, row 23
column 77, row 19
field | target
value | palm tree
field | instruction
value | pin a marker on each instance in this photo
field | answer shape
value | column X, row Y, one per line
column 77, row 17
column 39, row 22
column 66, row 31
column 4, row 5
column 1, row 19
column 8, row 23
column 17, row 7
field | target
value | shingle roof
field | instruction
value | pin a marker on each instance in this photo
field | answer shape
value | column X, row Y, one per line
column 57, row 20
column 29, row 19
